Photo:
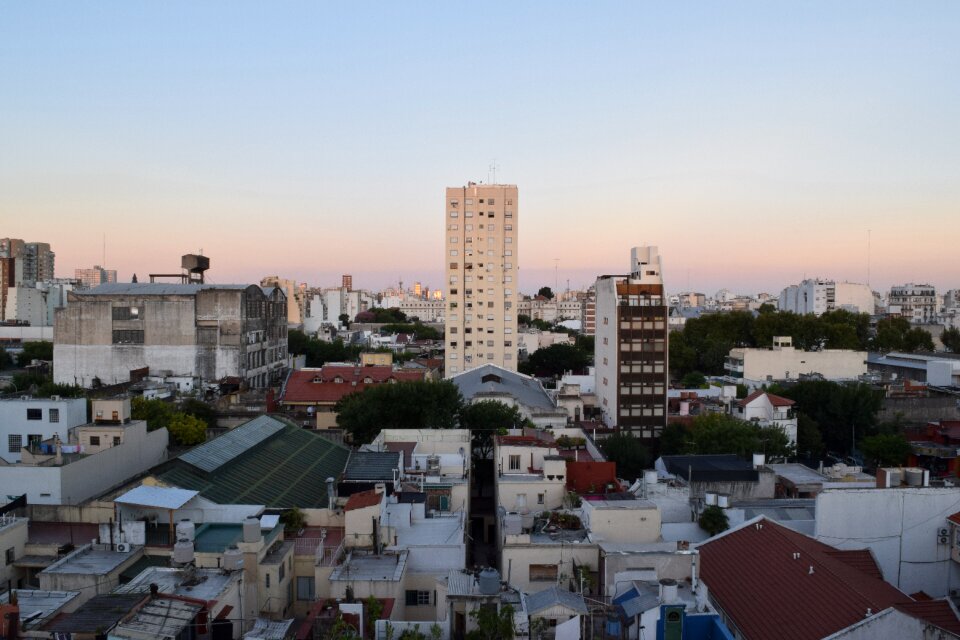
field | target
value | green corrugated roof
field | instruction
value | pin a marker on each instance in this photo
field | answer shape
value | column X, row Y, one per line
column 288, row 469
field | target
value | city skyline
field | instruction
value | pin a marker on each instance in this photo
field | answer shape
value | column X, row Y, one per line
column 254, row 133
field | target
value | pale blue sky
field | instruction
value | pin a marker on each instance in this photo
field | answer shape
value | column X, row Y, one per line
column 754, row 142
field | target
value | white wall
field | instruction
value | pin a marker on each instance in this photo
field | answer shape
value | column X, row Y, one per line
column 900, row 526
column 13, row 421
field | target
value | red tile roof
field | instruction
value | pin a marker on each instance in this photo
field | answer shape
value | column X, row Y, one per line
column 776, row 401
column 955, row 518
column 362, row 499
column 320, row 386
column 754, row 575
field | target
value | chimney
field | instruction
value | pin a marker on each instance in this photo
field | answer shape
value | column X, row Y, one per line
column 59, row 457
column 668, row 591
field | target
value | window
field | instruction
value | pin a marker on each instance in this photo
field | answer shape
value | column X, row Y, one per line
column 306, row 589
column 116, row 440
column 14, row 443
column 543, row 573
column 54, row 415
column 267, row 578
column 453, row 265
column 34, row 414
column 94, row 441
column 515, row 462
column 126, row 313
column 127, row 336
column 282, row 571
column 540, row 498
column 489, row 201
column 10, row 556
column 453, row 239
column 453, row 214
column 417, row 598
column 34, row 440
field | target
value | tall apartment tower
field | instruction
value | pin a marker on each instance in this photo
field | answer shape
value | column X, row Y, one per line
column 631, row 347
column 480, row 246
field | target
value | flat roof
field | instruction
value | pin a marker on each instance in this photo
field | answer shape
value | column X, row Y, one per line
column 158, row 497
column 441, row 530
column 203, row 584
column 159, row 618
column 46, row 603
column 90, row 560
column 387, row 567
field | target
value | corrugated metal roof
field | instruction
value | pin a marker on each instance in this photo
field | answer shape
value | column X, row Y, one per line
column 159, row 618
column 269, row 630
column 219, row 451
column 555, row 596
column 372, row 466
column 159, row 497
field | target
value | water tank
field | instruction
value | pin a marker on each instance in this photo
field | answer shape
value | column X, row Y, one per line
column 759, row 460
column 650, row 477
column 186, row 530
column 489, row 582
column 914, row 477
column 723, row 500
column 433, row 465
column 896, row 477
column 251, row 529
column 183, row 551
column 526, row 520
column 232, row 559
column 668, row 591
column 710, row 498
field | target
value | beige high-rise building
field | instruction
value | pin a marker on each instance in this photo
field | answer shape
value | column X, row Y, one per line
column 481, row 249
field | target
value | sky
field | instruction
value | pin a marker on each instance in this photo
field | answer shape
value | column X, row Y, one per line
column 755, row 143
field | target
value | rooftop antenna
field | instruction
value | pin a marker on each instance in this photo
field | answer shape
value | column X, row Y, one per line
column 492, row 171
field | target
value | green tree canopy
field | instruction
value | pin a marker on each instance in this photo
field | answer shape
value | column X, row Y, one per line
column 157, row 413
column 404, row 405
column 713, row 520
column 186, row 430
column 693, row 380
column 631, row 456
column 319, row 352
column 6, row 360
column 885, row 449
column 41, row 350
column 840, row 410
column 546, row 292
column 896, row 334
column 809, row 440
column 951, row 339
column 555, row 360
column 486, row 419
column 493, row 624
column 719, row 433
column 200, row 410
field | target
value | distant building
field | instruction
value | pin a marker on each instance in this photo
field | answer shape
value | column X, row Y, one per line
column 481, row 258
column 198, row 330
column 38, row 261
column 27, row 421
column 819, row 296
column 631, row 347
column 292, row 292
column 36, row 304
column 95, row 277
column 915, row 302
column 755, row 367
column 768, row 410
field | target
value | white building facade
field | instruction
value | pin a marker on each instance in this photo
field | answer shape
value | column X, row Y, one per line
column 819, row 296
column 27, row 420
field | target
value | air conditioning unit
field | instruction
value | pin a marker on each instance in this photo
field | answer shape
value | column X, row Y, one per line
column 943, row 540
column 943, row 531
column 123, row 547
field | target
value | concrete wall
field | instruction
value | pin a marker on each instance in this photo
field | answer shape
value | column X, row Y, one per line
column 919, row 410
column 787, row 362
column 516, row 561
column 13, row 535
column 621, row 567
column 900, row 526
column 89, row 476
column 614, row 524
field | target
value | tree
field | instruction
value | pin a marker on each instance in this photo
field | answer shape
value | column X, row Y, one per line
column 693, row 380
column 344, row 320
column 713, row 520
column 555, row 360
column 186, row 430
column 809, row 440
column 297, row 342
column 631, row 456
column 200, row 410
column 951, row 339
column 486, row 419
column 546, row 292
column 157, row 413
column 523, row 319
column 840, row 410
column 6, row 360
column 896, row 334
column 403, row 405
column 42, row 350
column 674, row 439
column 293, row 519
column 885, row 450
column 493, row 624
column 719, row 433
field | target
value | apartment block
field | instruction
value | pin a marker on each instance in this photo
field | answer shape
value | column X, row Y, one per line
column 915, row 302
column 631, row 347
column 481, row 251
column 95, row 277
column 819, row 296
